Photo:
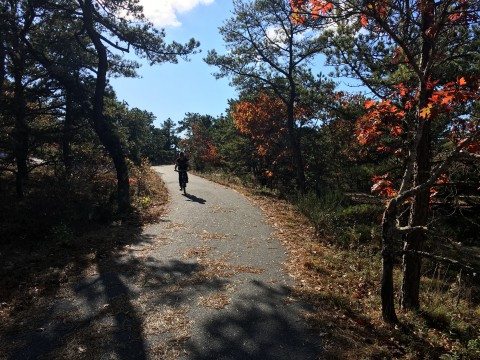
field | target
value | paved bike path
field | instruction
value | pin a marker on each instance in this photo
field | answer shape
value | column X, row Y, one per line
column 260, row 322
column 204, row 282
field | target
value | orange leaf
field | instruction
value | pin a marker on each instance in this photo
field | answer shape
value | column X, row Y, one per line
column 447, row 99
column 369, row 104
column 396, row 130
column 326, row 8
column 363, row 20
column 425, row 112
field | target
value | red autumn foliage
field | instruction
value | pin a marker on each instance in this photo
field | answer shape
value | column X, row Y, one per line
column 199, row 145
column 260, row 118
column 315, row 8
column 383, row 186
column 389, row 118
column 263, row 120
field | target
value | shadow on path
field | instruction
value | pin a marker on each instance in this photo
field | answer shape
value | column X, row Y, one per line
column 99, row 319
column 193, row 198
column 258, row 325
column 106, row 317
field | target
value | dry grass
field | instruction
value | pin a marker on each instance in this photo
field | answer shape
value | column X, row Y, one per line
column 343, row 286
column 197, row 252
column 205, row 235
column 167, row 319
column 215, row 301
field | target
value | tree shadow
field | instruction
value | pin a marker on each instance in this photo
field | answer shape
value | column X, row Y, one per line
column 96, row 313
column 47, row 324
column 257, row 325
column 194, row 198
column 101, row 316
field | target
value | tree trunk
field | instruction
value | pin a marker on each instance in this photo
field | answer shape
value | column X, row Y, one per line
column 411, row 268
column 103, row 128
column 68, row 133
column 3, row 56
column 388, row 261
column 20, row 131
column 414, row 241
column 297, row 156
column 17, row 55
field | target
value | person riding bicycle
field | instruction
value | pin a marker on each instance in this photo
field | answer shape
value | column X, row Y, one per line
column 181, row 164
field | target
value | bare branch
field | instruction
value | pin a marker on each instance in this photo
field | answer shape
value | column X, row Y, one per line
column 469, row 269
column 408, row 229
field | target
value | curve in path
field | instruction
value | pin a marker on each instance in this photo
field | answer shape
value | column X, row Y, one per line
column 229, row 271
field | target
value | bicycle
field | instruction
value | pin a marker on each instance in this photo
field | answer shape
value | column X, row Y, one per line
column 183, row 180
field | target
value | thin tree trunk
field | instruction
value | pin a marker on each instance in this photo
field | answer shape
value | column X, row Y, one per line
column 3, row 56
column 17, row 54
column 411, row 268
column 20, row 131
column 388, row 261
column 103, row 128
column 411, row 264
column 68, row 133
column 296, row 149
column 292, row 131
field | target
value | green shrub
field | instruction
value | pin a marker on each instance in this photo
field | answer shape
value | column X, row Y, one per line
column 471, row 351
column 322, row 210
column 333, row 216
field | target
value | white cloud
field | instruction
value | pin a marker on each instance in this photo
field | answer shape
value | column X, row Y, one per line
column 164, row 12
column 276, row 35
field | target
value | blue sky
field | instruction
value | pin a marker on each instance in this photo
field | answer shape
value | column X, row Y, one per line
column 171, row 90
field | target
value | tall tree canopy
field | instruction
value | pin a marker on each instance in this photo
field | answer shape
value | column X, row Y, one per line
column 75, row 46
column 266, row 50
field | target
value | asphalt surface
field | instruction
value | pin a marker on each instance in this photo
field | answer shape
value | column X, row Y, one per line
column 211, row 244
column 260, row 322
